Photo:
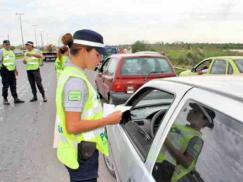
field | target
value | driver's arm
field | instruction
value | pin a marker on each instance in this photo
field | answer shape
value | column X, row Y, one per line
column 192, row 152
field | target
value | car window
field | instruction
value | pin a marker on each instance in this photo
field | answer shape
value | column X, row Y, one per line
column 219, row 67
column 230, row 69
column 105, row 66
column 203, row 67
column 202, row 145
column 239, row 64
column 111, row 50
column 112, row 66
column 137, row 121
column 145, row 66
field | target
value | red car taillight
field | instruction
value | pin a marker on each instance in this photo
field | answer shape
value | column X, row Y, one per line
column 117, row 86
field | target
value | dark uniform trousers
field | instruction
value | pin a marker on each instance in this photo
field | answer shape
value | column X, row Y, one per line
column 34, row 78
column 8, row 79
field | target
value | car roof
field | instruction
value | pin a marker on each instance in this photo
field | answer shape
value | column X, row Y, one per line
column 226, row 57
column 131, row 55
column 148, row 52
column 229, row 85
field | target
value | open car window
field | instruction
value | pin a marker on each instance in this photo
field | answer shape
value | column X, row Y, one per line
column 137, row 121
column 203, row 66
column 202, row 145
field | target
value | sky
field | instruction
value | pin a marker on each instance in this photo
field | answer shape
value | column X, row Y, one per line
column 124, row 21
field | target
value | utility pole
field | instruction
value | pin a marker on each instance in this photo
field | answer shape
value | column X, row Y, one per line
column 42, row 41
column 35, row 35
column 21, row 29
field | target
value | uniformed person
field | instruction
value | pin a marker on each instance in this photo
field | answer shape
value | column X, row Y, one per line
column 79, row 111
column 183, row 146
column 33, row 60
column 61, row 60
column 8, row 72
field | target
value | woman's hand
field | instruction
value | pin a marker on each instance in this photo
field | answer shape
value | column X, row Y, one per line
column 114, row 118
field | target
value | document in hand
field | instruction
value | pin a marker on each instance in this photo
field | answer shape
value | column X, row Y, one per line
column 110, row 108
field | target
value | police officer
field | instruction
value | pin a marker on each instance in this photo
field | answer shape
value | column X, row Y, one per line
column 61, row 60
column 79, row 111
column 33, row 60
column 8, row 72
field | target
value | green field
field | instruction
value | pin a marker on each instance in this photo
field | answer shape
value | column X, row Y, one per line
column 185, row 55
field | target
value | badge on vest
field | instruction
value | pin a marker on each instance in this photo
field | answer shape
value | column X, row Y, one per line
column 74, row 96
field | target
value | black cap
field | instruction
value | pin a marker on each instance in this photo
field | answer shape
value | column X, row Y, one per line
column 89, row 38
column 30, row 43
column 6, row 42
column 208, row 113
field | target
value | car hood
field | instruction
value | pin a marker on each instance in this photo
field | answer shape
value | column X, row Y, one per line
column 187, row 73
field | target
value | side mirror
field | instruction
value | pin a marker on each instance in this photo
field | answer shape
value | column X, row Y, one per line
column 193, row 69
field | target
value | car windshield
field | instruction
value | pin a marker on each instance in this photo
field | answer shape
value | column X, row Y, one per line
column 145, row 66
column 111, row 50
column 239, row 63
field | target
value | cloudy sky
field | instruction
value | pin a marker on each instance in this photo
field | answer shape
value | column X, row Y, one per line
column 125, row 21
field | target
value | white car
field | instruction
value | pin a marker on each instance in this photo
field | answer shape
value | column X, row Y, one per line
column 181, row 129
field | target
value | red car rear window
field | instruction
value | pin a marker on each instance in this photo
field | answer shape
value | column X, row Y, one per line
column 145, row 66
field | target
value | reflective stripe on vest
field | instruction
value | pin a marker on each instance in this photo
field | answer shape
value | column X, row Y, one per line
column 33, row 63
column 9, row 59
column 67, row 145
column 179, row 136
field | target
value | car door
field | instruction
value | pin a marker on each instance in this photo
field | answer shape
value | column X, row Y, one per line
column 217, row 153
column 100, row 78
column 131, row 140
column 218, row 66
column 108, row 76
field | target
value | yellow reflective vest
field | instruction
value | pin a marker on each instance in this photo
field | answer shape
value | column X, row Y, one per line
column 67, row 151
column 33, row 63
column 9, row 60
column 59, row 64
column 179, row 136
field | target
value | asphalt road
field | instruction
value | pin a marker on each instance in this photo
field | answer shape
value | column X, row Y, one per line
column 26, row 135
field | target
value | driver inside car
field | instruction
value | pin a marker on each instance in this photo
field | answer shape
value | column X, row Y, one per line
column 183, row 145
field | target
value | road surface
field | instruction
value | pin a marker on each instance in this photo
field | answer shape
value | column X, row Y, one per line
column 26, row 135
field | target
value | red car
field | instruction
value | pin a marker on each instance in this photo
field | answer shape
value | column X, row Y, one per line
column 121, row 75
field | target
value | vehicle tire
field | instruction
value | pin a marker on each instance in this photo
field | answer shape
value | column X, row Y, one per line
column 110, row 165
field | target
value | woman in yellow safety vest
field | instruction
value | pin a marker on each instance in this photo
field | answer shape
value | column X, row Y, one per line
column 80, row 118
column 61, row 60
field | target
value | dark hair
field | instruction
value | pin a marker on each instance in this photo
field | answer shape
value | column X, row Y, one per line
column 62, row 50
column 67, row 40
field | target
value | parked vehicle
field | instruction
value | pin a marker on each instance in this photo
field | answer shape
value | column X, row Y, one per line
column 122, row 74
column 111, row 50
column 184, row 128
column 148, row 52
column 217, row 65
column 50, row 54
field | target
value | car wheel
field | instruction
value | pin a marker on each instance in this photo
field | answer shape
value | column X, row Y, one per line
column 110, row 165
